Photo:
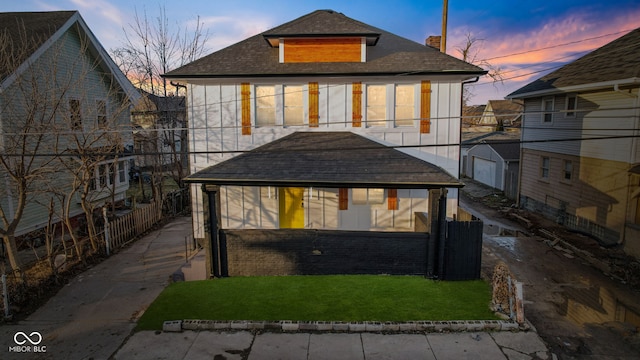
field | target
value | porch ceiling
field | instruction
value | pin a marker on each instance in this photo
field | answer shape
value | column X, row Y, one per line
column 326, row 159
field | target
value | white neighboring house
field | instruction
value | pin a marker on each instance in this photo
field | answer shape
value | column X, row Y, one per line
column 73, row 78
column 323, row 72
column 581, row 144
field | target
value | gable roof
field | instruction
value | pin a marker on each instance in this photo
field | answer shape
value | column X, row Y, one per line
column 41, row 30
column 390, row 55
column 326, row 159
column 508, row 150
column 612, row 63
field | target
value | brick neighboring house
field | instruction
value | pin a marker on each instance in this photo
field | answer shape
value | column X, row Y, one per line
column 64, row 75
column 301, row 98
column 581, row 150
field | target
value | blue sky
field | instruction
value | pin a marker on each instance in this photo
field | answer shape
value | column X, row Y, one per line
column 525, row 39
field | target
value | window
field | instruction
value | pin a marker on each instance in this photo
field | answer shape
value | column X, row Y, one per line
column 293, row 106
column 112, row 173
column 122, row 172
column 405, row 105
column 544, row 167
column 376, row 105
column 547, row 110
column 265, row 106
column 101, row 113
column 567, row 170
column 102, row 175
column 75, row 115
column 572, row 105
column 367, row 196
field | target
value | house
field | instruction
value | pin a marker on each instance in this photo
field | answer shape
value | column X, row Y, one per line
column 580, row 151
column 64, row 118
column 471, row 115
column 323, row 123
column 496, row 164
column 160, row 132
column 499, row 115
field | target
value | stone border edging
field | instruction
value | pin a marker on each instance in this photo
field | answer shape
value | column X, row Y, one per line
column 339, row 326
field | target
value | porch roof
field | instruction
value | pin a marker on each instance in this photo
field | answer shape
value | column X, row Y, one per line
column 326, row 159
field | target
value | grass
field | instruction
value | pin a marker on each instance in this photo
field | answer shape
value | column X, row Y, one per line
column 321, row 298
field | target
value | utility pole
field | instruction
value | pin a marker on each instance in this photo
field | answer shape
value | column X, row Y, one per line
column 443, row 42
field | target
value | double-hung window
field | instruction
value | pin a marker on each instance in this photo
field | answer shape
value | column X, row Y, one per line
column 75, row 114
column 376, row 105
column 293, row 106
column 265, row 105
column 547, row 110
column 572, row 105
column 405, row 105
column 101, row 113
column 544, row 167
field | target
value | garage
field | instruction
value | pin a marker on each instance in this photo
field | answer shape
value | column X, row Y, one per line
column 484, row 171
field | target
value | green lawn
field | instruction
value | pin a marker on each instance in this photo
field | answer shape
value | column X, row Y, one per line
column 321, row 298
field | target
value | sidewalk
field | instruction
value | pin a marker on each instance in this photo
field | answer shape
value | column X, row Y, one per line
column 345, row 346
column 92, row 315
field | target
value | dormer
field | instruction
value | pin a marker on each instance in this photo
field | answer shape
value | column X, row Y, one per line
column 320, row 38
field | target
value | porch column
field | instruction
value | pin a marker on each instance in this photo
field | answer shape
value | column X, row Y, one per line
column 437, row 218
column 214, row 258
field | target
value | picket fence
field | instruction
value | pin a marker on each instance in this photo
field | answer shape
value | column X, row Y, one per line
column 129, row 226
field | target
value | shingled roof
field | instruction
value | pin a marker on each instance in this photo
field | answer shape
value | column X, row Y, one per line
column 28, row 31
column 389, row 55
column 326, row 159
column 617, row 60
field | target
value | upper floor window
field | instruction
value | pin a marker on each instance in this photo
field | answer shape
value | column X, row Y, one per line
column 265, row 105
column 405, row 105
column 547, row 110
column 572, row 105
column 567, row 171
column 544, row 167
column 293, row 105
column 376, row 105
column 367, row 196
column 122, row 172
column 75, row 114
column 101, row 113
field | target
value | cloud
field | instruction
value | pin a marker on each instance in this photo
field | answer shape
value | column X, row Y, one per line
column 228, row 30
column 108, row 11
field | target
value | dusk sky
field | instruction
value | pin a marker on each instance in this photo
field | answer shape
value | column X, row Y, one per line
column 525, row 39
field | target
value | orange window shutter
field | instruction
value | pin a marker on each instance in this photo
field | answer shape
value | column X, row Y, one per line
column 245, row 93
column 392, row 199
column 314, row 117
column 343, row 199
column 356, row 120
column 425, row 107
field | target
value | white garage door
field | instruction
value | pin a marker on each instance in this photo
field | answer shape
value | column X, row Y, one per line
column 484, row 171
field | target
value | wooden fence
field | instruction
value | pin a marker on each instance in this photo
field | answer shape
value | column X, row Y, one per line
column 127, row 227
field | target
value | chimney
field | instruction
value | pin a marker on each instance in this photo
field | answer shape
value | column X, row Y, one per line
column 433, row 41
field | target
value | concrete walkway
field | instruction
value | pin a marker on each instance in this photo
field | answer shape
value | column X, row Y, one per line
column 148, row 345
column 93, row 315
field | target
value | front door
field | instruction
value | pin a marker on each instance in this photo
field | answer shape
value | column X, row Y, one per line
column 291, row 202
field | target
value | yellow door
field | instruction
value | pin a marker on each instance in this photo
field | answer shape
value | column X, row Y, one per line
column 291, row 202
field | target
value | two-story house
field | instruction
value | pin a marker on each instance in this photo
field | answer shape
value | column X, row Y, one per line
column 580, row 150
column 64, row 119
column 324, row 122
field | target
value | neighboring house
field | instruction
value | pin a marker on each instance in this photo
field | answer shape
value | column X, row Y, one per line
column 160, row 132
column 296, row 127
column 496, row 164
column 471, row 116
column 56, row 77
column 499, row 115
column 472, row 138
column 581, row 148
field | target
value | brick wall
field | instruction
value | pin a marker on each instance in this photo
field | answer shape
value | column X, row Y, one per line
column 318, row 252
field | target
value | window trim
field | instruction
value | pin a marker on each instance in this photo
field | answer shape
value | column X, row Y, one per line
column 544, row 176
column 410, row 122
column 376, row 123
column 274, row 107
column 564, row 171
column 301, row 107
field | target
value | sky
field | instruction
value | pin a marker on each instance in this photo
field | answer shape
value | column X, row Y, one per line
column 524, row 40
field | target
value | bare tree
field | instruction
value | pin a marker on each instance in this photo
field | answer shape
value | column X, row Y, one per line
column 152, row 47
column 469, row 52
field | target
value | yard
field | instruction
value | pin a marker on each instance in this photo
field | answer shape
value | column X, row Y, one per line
column 321, row 298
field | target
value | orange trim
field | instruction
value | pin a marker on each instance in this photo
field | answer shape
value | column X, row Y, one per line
column 314, row 117
column 322, row 50
column 392, row 199
column 356, row 119
column 425, row 107
column 343, row 199
column 245, row 94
